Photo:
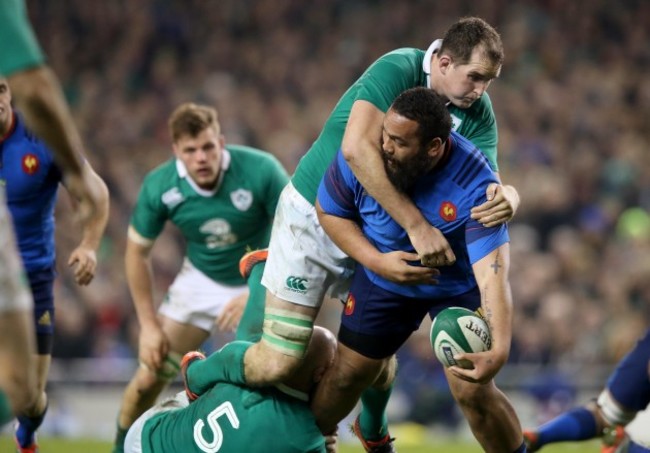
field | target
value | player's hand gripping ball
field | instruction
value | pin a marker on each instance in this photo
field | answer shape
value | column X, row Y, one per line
column 457, row 330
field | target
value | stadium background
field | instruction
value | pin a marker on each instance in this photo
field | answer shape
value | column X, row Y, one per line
column 572, row 105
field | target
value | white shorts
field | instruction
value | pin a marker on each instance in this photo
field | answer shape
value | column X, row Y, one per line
column 304, row 264
column 196, row 299
column 15, row 295
column 133, row 440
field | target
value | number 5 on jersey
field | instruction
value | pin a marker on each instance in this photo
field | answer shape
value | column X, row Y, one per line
column 213, row 422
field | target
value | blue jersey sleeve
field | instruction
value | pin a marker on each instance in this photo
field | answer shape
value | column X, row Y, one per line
column 481, row 240
column 336, row 193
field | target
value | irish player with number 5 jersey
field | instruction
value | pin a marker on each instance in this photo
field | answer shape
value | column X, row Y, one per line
column 229, row 418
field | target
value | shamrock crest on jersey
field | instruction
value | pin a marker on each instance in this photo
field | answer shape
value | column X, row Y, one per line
column 242, row 199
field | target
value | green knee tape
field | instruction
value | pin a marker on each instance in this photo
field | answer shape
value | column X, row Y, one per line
column 287, row 332
column 170, row 368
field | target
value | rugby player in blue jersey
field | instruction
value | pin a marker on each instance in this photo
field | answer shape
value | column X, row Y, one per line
column 445, row 175
column 38, row 93
column 31, row 179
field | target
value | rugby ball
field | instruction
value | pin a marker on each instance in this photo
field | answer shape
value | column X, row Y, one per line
column 457, row 330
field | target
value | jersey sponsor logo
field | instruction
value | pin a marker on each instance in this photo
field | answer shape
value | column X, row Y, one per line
column 219, row 233
column 242, row 199
column 448, row 211
column 455, row 122
column 30, row 163
column 172, row 197
column 45, row 319
column 349, row 305
column 297, row 284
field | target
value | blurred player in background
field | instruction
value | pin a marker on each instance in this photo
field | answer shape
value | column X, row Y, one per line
column 222, row 198
column 31, row 179
column 38, row 95
column 627, row 393
column 305, row 265
column 234, row 419
column 445, row 176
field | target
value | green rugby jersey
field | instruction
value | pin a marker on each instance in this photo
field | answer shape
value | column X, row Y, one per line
column 20, row 49
column 233, row 419
column 217, row 228
column 382, row 82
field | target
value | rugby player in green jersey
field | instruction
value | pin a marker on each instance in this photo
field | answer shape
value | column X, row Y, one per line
column 304, row 265
column 229, row 418
column 222, row 209
column 38, row 95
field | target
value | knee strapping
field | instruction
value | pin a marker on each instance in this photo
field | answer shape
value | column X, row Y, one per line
column 170, row 367
column 612, row 411
column 287, row 332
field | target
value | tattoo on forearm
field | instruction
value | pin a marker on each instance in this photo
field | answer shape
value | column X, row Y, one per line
column 496, row 266
column 487, row 310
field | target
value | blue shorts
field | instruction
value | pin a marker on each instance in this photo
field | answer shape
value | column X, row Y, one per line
column 42, row 285
column 636, row 448
column 630, row 384
column 376, row 322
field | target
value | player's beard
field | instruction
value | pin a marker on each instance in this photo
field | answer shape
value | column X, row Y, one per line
column 404, row 174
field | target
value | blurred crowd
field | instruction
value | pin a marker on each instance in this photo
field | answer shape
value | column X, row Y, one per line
column 572, row 104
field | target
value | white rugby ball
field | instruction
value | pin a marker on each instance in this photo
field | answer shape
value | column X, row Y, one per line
column 457, row 330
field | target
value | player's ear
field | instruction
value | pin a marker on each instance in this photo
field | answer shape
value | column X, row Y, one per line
column 444, row 61
column 176, row 149
column 435, row 147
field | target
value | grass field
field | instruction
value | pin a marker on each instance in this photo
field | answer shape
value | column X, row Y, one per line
column 53, row 445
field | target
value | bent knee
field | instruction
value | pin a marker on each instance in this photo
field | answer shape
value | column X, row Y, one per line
column 22, row 391
column 265, row 365
column 353, row 370
column 387, row 375
column 612, row 412
column 146, row 381
column 22, row 400
column 476, row 397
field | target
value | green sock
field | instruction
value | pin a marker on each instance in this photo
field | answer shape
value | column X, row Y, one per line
column 5, row 409
column 372, row 419
column 224, row 365
column 120, row 435
column 250, row 326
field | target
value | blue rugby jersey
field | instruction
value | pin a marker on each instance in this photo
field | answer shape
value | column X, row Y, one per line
column 31, row 179
column 445, row 197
